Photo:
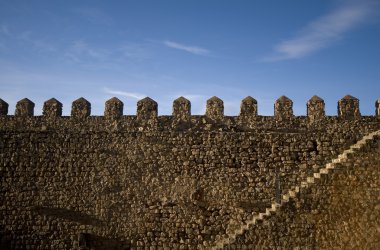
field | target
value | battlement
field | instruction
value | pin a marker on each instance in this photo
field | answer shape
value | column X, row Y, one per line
column 348, row 108
column 177, row 181
column 147, row 118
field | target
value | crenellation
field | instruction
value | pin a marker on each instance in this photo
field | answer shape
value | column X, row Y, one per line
column 3, row 108
column 80, row 109
column 187, row 181
column 181, row 112
column 283, row 108
column 52, row 108
column 24, row 108
column 248, row 108
column 316, row 109
column 147, row 112
column 113, row 108
column 215, row 109
column 348, row 107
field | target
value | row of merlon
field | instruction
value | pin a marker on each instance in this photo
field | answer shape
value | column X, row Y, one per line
column 348, row 107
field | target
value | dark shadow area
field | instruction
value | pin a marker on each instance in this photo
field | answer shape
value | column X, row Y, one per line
column 95, row 242
column 255, row 206
column 67, row 214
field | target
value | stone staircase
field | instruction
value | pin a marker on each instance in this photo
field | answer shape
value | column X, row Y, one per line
column 292, row 193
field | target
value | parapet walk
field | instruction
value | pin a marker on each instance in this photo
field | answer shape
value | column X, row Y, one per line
column 348, row 108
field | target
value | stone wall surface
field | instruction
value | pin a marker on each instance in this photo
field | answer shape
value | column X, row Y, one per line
column 341, row 211
column 182, row 181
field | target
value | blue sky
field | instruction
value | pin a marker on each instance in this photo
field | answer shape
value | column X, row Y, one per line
column 197, row 49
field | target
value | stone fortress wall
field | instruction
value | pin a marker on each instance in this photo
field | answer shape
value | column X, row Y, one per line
column 185, row 181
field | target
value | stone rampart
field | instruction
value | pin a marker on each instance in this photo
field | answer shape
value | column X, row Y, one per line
column 148, row 181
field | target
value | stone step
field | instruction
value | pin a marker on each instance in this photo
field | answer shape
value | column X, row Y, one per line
column 349, row 151
column 285, row 197
column 275, row 206
column 261, row 216
column 293, row 191
column 336, row 160
column 368, row 137
column 324, row 171
column 310, row 180
column 268, row 211
column 254, row 219
column 356, row 146
column 330, row 166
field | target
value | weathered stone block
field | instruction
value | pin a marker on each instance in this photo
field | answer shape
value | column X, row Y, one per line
column 348, row 107
column 52, row 108
column 114, row 108
column 377, row 105
column 147, row 111
column 3, row 108
column 248, row 107
column 316, row 109
column 181, row 111
column 24, row 108
column 283, row 108
column 215, row 109
column 81, row 108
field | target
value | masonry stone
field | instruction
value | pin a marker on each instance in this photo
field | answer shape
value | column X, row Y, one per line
column 248, row 107
column 316, row 109
column 81, row 108
column 181, row 112
column 147, row 111
column 24, row 108
column 114, row 108
column 283, row 108
column 377, row 105
column 185, row 181
column 3, row 108
column 348, row 107
column 215, row 109
column 52, row 108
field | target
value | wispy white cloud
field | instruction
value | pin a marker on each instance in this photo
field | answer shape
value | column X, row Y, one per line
column 115, row 57
column 94, row 15
column 134, row 51
column 134, row 95
column 324, row 31
column 80, row 51
column 191, row 49
column 9, row 36
column 39, row 44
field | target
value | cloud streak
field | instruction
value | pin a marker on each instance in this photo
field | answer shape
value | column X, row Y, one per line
column 191, row 49
column 137, row 96
column 93, row 15
column 322, row 32
column 80, row 51
column 27, row 37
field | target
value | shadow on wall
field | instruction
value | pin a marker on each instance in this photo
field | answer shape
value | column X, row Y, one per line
column 69, row 215
column 94, row 242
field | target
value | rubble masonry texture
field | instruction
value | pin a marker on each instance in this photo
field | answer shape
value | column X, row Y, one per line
column 183, row 181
